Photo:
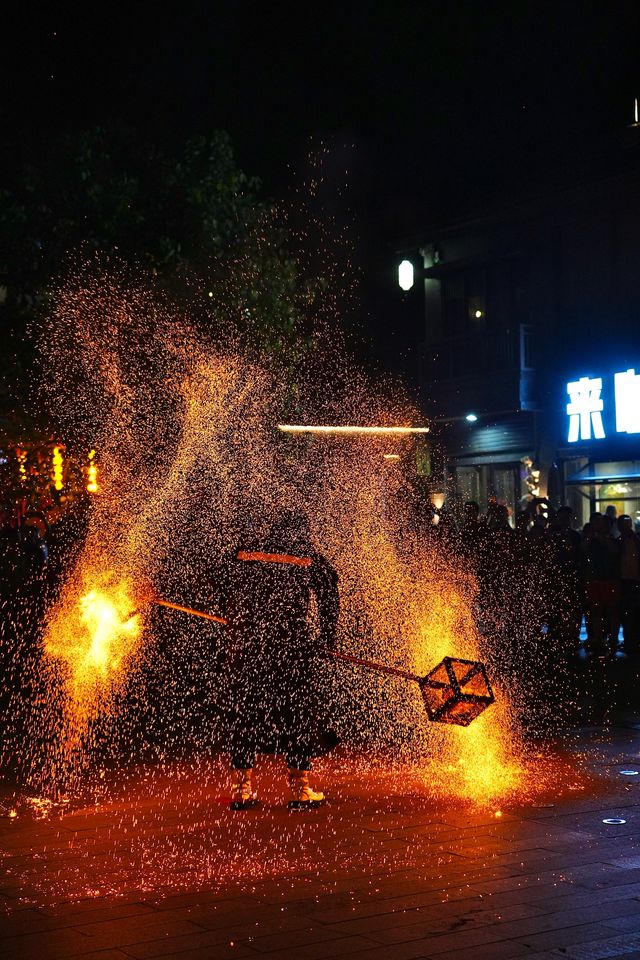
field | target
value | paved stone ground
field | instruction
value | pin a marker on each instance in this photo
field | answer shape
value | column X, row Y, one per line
column 162, row 868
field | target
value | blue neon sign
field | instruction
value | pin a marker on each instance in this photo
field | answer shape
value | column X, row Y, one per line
column 587, row 411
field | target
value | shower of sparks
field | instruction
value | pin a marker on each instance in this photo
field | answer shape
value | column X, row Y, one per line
column 218, row 475
column 117, row 679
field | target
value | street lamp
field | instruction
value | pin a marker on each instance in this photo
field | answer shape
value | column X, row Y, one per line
column 405, row 275
column 469, row 417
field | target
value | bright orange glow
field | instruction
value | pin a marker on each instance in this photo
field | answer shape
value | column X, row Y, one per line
column 94, row 635
column 422, row 612
column 352, row 430
column 58, row 462
column 480, row 761
column 391, row 456
column 92, row 473
column 102, row 615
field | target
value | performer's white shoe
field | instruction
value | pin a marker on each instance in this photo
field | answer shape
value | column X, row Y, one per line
column 243, row 796
column 302, row 796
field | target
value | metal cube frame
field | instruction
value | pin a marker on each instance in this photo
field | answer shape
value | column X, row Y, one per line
column 456, row 691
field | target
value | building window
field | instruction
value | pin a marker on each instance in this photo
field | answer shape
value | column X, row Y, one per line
column 484, row 299
column 476, row 291
column 471, row 483
column 464, row 303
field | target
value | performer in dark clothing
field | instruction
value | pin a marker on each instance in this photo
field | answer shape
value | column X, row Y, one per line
column 273, row 654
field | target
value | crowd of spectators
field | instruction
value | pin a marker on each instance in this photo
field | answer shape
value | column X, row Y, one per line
column 539, row 576
column 546, row 575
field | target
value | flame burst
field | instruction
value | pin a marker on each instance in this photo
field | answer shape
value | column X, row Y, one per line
column 94, row 636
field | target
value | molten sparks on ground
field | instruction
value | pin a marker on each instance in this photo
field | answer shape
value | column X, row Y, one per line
column 481, row 762
column 94, row 635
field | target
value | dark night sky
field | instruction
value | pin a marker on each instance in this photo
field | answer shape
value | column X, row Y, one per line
column 441, row 101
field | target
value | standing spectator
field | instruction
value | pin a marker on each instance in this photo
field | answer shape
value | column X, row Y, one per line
column 566, row 546
column 612, row 513
column 630, row 582
column 602, row 575
column 498, row 575
column 472, row 532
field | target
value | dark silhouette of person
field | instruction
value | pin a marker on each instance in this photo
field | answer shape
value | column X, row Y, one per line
column 602, row 575
column 566, row 545
column 273, row 654
column 630, row 582
column 472, row 532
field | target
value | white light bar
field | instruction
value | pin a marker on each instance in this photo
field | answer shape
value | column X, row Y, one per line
column 351, row 430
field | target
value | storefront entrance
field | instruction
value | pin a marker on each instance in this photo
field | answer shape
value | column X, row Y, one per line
column 596, row 486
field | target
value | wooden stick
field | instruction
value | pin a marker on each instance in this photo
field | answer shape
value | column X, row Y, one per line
column 195, row 613
column 370, row 665
column 346, row 657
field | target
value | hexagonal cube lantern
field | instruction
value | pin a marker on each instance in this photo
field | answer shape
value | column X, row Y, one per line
column 456, row 691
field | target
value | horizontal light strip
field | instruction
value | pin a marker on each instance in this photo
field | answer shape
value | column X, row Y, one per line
column 366, row 431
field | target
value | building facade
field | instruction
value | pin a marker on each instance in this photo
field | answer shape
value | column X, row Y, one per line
column 531, row 354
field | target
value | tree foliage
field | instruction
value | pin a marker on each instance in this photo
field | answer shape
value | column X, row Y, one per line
column 193, row 222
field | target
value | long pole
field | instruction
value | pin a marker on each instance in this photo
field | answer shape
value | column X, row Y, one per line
column 346, row 657
column 370, row 665
column 190, row 610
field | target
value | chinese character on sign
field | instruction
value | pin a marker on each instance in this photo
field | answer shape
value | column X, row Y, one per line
column 585, row 409
column 627, row 390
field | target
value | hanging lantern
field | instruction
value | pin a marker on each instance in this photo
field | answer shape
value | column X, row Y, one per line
column 58, row 463
column 92, row 473
column 21, row 456
column 405, row 275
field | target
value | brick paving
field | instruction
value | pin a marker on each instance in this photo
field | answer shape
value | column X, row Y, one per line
column 159, row 867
